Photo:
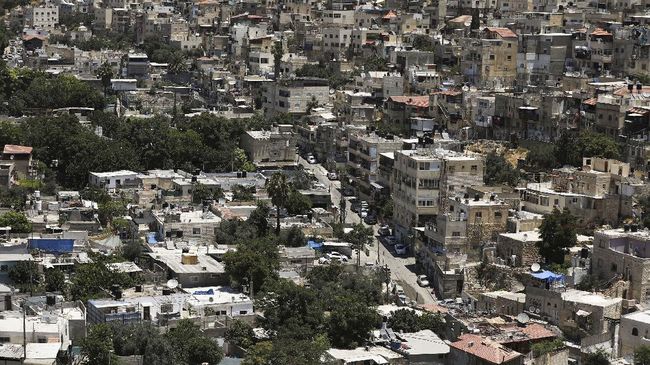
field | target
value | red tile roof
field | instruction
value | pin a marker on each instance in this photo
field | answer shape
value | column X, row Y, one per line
column 591, row 101
column 12, row 149
column 600, row 32
column 624, row 91
column 502, row 32
column 642, row 111
column 390, row 14
column 417, row 101
column 485, row 349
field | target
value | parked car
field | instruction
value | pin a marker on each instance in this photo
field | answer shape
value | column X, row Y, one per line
column 337, row 256
column 400, row 249
column 332, row 176
column 370, row 219
column 390, row 240
column 384, row 230
column 423, row 281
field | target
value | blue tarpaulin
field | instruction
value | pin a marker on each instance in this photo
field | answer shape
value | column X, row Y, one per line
column 204, row 292
column 548, row 276
column 151, row 238
column 314, row 245
column 51, row 245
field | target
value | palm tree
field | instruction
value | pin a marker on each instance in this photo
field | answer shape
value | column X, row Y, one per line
column 278, row 189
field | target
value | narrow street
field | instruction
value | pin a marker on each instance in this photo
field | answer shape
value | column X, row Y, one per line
column 402, row 268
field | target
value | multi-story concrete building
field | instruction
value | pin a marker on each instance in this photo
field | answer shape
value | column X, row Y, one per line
column 271, row 148
column 492, row 60
column 634, row 332
column 43, row 17
column 363, row 161
column 624, row 254
column 418, row 179
column 295, row 96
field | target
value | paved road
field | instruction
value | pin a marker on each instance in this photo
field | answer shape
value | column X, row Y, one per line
column 400, row 267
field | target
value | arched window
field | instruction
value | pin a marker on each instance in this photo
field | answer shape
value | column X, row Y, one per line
column 635, row 332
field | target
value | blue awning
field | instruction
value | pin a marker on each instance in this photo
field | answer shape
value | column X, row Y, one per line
column 548, row 276
column 204, row 292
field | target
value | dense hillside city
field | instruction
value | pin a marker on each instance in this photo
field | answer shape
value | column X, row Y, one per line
column 336, row 182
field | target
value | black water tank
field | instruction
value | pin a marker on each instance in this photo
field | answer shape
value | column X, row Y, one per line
column 166, row 292
column 138, row 288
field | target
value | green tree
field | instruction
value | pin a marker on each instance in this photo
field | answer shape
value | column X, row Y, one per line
column 105, row 74
column 545, row 347
column 499, row 171
column 240, row 334
column 256, row 261
column 558, row 233
column 97, row 346
column 600, row 357
column 476, row 20
column 55, row 281
column 202, row 350
column 177, row 63
column 95, row 194
column 571, row 149
column 351, row 322
column 278, row 52
column 259, row 219
column 642, row 355
column 406, row 320
column 423, row 43
column 17, row 221
column 25, row 275
column 278, row 189
column 292, row 311
column 360, row 237
column 110, row 210
column 292, row 237
column 297, row 203
column 541, row 157
column 132, row 250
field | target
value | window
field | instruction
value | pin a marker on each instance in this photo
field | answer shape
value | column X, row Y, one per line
column 264, row 60
column 4, row 339
column 425, row 165
column 243, row 312
column 474, row 168
column 194, row 278
column 455, row 234
column 478, row 214
column 635, row 331
column 497, row 214
column 491, row 57
column 196, row 230
column 614, row 267
column 4, row 268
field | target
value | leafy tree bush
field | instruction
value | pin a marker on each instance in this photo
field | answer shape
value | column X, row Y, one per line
column 17, row 221
column 55, row 281
column 546, row 347
column 499, row 171
column 570, row 149
column 25, row 275
column 406, row 320
column 558, row 232
column 599, row 357
column 350, row 323
column 297, row 203
column 256, row 261
column 642, row 355
column 240, row 334
column 292, row 237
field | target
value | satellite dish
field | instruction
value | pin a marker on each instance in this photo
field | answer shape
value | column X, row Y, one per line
column 531, row 309
column 537, row 310
column 535, row 267
column 172, row 283
column 465, row 88
column 523, row 318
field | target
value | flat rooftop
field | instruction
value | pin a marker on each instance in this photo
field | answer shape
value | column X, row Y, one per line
column 206, row 264
column 585, row 297
column 524, row 236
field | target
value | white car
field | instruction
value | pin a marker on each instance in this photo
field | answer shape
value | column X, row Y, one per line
column 400, row 249
column 337, row 256
column 423, row 281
